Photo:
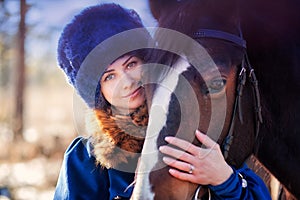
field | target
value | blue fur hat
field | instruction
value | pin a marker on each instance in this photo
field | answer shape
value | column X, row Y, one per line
column 87, row 30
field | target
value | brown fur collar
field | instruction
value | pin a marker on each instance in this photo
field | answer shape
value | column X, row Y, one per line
column 117, row 139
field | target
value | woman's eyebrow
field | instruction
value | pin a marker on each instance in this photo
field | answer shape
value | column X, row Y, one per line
column 127, row 61
column 107, row 71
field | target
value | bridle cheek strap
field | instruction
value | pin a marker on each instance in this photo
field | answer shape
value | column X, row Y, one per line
column 236, row 107
column 245, row 67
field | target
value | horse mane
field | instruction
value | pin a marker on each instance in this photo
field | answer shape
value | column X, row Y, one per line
column 271, row 29
column 274, row 50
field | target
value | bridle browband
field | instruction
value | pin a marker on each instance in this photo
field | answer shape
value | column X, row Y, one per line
column 246, row 69
column 216, row 34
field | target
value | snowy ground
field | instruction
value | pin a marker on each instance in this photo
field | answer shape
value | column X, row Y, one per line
column 29, row 169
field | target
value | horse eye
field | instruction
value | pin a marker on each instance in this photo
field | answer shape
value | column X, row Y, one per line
column 216, row 85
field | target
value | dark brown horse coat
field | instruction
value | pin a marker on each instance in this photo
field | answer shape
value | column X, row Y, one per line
column 271, row 29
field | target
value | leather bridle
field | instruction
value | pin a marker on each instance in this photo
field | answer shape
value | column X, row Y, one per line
column 246, row 71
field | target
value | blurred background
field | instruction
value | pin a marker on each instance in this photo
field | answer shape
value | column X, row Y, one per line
column 39, row 112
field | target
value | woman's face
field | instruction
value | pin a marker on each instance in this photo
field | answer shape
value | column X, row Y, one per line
column 121, row 84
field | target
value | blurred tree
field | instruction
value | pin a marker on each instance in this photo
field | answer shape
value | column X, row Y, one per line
column 20, row 75
column 7, row 33
column 4, row 45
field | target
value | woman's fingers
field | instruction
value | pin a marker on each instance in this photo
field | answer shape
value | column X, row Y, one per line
column 183, row 166
column 182, row 175
column 180, row 170
column 196, row 164
column 205, row 140
column 189, row 147
column 185, row 145
column 176, row 153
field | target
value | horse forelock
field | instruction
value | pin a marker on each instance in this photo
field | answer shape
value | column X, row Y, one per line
column 194, row 14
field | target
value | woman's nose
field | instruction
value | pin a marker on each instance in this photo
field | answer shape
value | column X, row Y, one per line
column 128, row 81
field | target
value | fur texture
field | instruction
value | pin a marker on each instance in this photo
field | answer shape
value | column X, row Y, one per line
column 87, row 30
column 117, row 139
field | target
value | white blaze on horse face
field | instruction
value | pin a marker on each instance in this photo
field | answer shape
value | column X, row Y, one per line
column 157, row 120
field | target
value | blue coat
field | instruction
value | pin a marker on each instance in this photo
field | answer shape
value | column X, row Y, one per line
column 80, row 178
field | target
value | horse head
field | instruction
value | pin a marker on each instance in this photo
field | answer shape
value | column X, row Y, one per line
column 199, row 83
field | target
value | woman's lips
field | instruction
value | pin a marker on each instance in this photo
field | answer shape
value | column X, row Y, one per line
column 134, row 93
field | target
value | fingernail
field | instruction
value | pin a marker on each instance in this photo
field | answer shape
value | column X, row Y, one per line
column 168, row 139
column 167, row 160
column 161, row 148
column 199, row 134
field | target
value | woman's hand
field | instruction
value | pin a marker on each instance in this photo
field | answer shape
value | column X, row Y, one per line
column 195, row 164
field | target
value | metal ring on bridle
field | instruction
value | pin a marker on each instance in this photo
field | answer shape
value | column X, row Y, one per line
column 191, row 169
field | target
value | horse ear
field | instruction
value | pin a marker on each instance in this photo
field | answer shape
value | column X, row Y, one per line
column 158, row 7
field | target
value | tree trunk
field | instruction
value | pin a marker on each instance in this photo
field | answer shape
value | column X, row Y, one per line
column 20, row 74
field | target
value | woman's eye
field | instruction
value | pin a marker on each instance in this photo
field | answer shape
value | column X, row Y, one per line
column 216, row 86
column 109, row 77
column 131, row 64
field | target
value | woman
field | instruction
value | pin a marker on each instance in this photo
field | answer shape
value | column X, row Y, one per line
column 117, row 104
column 103, row 166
